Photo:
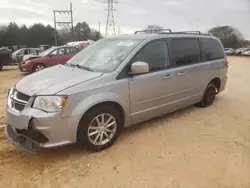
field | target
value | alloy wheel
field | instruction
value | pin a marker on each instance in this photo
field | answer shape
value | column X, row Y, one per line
column 102, row 129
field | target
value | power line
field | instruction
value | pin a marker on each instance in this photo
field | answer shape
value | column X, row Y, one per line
column 64, row 23
column 110, row 24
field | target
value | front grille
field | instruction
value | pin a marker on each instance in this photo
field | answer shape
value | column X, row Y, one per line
column 18, row 106
column 17, row 100
column 22, row 96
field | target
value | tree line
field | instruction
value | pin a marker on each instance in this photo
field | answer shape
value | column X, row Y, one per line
column 38, row 33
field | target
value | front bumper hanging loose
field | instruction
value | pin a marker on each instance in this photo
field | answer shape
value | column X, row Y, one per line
column 22, row 141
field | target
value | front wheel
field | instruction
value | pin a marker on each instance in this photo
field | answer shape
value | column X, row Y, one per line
column 38, row 67
column 209, row 96
column 100, row 128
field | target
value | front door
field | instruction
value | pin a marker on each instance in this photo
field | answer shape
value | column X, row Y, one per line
column 151, row 93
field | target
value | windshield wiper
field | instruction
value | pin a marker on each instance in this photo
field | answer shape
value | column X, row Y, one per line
column 82, row 67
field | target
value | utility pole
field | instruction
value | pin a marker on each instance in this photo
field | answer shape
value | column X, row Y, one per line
column 110, row 24
column 55, row 28
column 72, row 25
column 64, row 23
column 99, row 26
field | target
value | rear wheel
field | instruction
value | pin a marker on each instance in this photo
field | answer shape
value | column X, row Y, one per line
column 1, row 67
column 209, row 96
column 38, row 67
column 100, row 128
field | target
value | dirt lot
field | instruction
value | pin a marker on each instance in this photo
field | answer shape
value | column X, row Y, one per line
column 208, row 148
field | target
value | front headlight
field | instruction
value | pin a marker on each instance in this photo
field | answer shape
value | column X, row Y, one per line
column 27, row 62
column 50, row 103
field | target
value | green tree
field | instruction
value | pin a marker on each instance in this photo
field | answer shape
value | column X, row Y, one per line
column 153, row 28
column 229, row 36
column 82, row 31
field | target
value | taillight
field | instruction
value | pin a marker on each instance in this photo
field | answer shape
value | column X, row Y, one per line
column 227, row 62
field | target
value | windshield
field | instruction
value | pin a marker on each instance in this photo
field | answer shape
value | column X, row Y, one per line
column 46, row 52
column 16, row 52
column 105, row 55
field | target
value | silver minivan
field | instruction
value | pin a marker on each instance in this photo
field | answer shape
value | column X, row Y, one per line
column 112, row 84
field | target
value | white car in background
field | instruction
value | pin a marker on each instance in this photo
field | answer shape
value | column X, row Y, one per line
column 246, row 53
column 80, row 44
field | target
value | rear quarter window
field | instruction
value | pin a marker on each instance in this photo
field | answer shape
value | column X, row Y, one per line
column 211, row 49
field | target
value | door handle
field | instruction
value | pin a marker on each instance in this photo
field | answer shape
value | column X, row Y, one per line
column 180, row 73
column 169, row 76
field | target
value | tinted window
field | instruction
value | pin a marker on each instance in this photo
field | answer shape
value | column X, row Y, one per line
column 154, row 54
column 185, row 51
column 211, row 49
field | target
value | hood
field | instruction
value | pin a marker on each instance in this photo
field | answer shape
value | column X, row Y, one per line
column 53, row 80
column 27, row 57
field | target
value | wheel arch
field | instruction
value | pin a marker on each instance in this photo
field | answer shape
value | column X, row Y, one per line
column 217, row 82
column 38, row 63
column 114, row 104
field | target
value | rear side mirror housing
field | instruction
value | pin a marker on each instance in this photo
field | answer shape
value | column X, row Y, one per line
column 139, row 67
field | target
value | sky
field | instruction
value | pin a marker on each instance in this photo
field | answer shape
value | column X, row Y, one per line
column 134, row 15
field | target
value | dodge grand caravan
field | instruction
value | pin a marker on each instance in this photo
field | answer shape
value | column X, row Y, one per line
column 114, row 83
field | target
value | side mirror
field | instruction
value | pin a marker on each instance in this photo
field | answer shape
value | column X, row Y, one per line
column 139, row 68
column 50, row 55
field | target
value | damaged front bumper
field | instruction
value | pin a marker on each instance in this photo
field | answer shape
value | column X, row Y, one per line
column 24, row 142
column 33, row 129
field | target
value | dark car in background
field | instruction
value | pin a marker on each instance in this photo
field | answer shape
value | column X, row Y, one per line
column 5, row 57
column 48, row 58
column 44, row 47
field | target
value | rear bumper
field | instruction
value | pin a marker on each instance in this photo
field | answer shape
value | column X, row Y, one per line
column 223, row 83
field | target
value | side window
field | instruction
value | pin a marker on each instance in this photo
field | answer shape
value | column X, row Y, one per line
column 54, row 53
column 26, row 52
column 211, row 49
column 58, row 52
column 185, row 51
column 154, row 54
column 33, row 51
column 61, row 51
column 71, row 51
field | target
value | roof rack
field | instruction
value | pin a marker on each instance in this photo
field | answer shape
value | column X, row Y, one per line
column 154, row 31
column 169, row 31
column 190, row 32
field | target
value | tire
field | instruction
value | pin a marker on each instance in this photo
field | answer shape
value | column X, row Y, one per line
column 208, row 96
column 89, row 130
column 38, row 67
column 1, row 67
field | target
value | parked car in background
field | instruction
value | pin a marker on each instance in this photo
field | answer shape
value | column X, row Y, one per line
column 80, row 44
column 48, row 58
column 112, row 84
column 13, row 48
column 18, row 55
column 44, row 47
column 5, row 57
column 246, row 53
column 240, row 51
column 229, row 51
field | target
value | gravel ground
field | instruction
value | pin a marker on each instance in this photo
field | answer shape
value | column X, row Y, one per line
column 192, row 148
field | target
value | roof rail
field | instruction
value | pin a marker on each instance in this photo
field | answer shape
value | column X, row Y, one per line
column 154, row 31
column 191, row 32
